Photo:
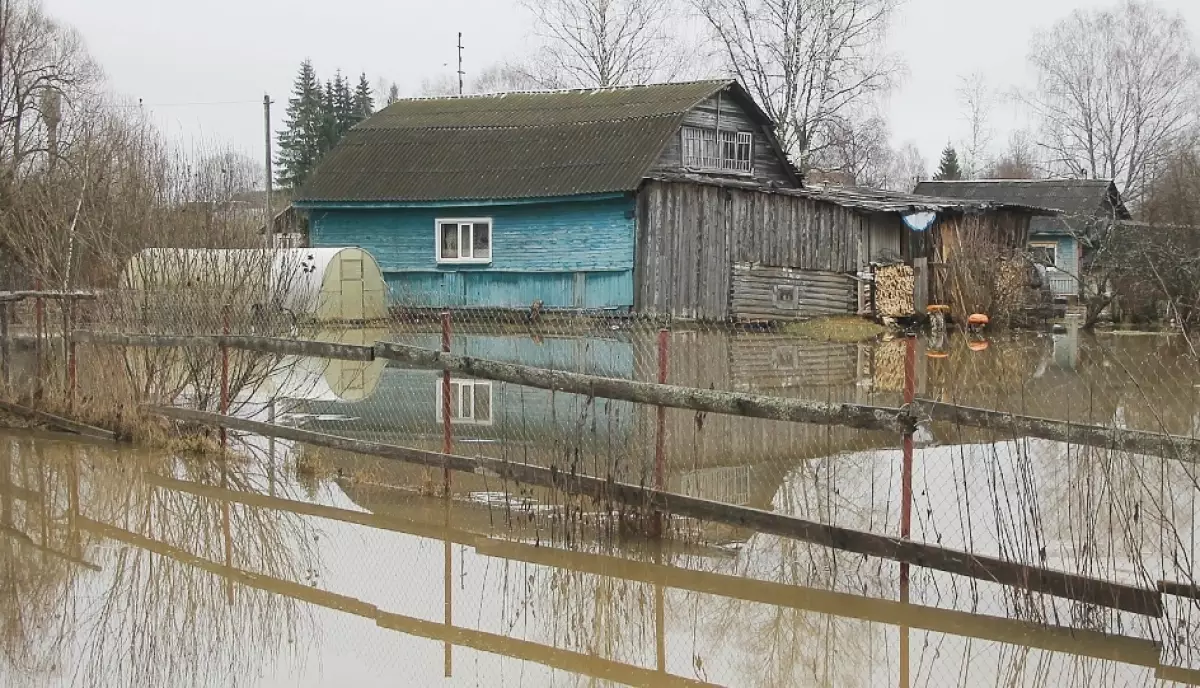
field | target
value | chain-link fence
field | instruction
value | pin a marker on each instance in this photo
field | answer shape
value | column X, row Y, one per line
column 1067, row 452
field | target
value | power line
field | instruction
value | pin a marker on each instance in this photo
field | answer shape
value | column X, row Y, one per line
column 195, row 104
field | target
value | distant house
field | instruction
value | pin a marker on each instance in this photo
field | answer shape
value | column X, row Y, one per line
column 1060, row 242
column 669, row 199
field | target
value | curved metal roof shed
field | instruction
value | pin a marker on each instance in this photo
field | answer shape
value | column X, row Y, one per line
column 325, row 284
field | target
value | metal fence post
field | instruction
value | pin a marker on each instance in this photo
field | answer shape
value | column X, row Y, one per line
column 660, row 429
column 447, row 432
column 224, row 370
column 906, row 474
column 72, row 360
column 5, row 361
column 39, row 331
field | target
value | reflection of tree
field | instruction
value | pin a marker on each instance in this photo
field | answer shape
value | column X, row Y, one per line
column 150, row 619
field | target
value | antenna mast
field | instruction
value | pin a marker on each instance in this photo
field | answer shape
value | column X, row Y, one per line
column 460, row 64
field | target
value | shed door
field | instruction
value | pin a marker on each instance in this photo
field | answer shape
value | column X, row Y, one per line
column 352, row 288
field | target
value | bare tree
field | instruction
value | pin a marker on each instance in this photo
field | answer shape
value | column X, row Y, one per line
column 440, row 85
column 908, row 167
column 857, row 150
column 506, row 77
column 1115, row 89
column 807, row 62
column 603, row 42
column 1019, row 160
column 976, row 99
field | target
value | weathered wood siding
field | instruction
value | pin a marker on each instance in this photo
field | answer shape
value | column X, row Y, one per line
column 690, row 235
column 771, row 362
column 763, row 293
column 767, row 163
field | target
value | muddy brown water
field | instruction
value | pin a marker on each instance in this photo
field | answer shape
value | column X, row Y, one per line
column 129, row 567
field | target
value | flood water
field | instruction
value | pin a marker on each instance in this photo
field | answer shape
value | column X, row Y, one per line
column 132, row 567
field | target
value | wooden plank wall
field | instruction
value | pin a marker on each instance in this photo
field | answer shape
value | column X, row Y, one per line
column 761, row 293
column 691, row 234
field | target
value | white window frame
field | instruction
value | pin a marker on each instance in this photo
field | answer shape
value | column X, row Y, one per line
column 711, row 145
column 457, row 416
column 1053, row 246
column 468, row 224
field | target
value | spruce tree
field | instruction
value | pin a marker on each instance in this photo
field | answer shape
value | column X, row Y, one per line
column 300, row 143
column 948, row 169
column 330, row 132
column 364, row 101
column 343, row 105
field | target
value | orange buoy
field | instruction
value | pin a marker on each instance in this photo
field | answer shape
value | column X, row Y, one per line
column 937, row 308
column 978, row 345
column 977, row 320
column 937, row 354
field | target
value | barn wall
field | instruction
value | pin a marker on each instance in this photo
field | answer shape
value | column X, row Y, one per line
column 690, row 235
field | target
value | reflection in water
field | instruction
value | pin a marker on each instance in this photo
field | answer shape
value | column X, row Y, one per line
column 190, row 574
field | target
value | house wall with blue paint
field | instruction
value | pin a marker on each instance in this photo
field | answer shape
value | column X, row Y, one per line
column 574, row 252
column 1064, row 276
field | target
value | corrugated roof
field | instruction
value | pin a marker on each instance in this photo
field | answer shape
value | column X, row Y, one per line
column 867, row 199
column 1081, row 198
column 515, row 145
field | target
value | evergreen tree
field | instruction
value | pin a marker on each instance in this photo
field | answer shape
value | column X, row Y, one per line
column 364, row 101
column 330, row 132
column 343, row 105
column 948, row 169
column 300, row 143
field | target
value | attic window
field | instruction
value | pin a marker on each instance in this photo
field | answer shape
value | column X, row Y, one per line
column 726, row 151
column 464, row 240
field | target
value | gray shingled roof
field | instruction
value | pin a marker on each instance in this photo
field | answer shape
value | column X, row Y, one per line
column 509, row 146
column 1079, row 200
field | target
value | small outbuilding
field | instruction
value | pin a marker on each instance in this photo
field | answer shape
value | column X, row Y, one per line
column 322, row 284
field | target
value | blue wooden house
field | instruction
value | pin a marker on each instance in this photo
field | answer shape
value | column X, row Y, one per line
column 1060, row 242
column 501, row 201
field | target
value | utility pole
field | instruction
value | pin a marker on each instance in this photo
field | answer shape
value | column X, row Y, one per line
column 460, row 69
column 269, row 222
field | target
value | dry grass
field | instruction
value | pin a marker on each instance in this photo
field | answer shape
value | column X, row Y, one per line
column 843, row 329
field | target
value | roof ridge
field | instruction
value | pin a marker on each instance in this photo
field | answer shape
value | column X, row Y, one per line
column 554, row 91
column 1020, row 181
column 513, row 127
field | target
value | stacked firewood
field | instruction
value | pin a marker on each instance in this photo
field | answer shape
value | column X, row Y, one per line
column 894, row 286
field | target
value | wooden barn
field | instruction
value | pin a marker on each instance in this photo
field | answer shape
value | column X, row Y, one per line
column 726, row 250
column 669, row 199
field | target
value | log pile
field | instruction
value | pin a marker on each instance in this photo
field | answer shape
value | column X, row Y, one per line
column 894, row 285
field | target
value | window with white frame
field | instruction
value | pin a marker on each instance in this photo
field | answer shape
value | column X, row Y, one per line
column 1044, row 253
column 467, row 240
column 708, row 149
column 470, row 402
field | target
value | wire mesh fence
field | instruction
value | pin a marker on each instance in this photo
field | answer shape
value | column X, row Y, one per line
column 1072, row 504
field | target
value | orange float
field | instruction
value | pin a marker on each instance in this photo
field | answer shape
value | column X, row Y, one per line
column 978, row 345
column 937, row 354
column 977, row 320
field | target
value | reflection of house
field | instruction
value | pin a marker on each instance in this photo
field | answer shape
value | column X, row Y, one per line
column 1059, row 242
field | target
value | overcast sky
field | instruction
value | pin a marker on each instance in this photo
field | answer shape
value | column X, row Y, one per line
column 202, row 67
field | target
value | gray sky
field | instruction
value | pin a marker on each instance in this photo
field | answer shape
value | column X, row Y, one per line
column 175, row 55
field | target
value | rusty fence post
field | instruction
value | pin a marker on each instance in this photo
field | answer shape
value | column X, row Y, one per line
column 72, row 358
column 906, row 472
column 660, row 429
column 447, row 432
column 39, row 331
column 5, row 348
column 224, row 369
